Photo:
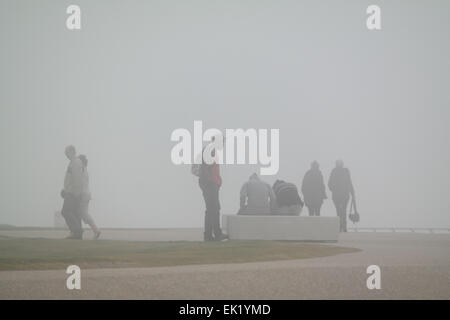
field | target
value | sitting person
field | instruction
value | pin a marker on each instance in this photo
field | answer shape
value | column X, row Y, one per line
column 257, row 197
column 288, row 201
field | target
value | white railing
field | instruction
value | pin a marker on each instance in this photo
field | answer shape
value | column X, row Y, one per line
column 395, row 229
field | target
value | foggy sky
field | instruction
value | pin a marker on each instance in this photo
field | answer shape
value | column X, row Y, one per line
column 137, row 70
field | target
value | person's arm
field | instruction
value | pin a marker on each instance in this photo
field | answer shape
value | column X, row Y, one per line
column 77, row 177
column 67, row 181
column 322, row 187
column 304, row 184
column 352, row 190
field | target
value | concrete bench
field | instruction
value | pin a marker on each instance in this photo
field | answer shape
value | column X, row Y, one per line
column 242, row 227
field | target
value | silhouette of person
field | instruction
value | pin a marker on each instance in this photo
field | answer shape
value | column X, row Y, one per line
column 340, row 184
column 86, row 198
column 313, row 189
column 210, row 182
column 256, row 197
column 71, row 193
column 288, row 201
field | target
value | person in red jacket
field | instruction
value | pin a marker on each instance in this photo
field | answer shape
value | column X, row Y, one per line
column 210, row 183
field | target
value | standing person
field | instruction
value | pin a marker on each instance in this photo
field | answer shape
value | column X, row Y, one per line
column 256, row 197
column 340, row 184
column 313, row 189
column 86, row 197
column 288, row 201
column 72, row 194
column 210, row 182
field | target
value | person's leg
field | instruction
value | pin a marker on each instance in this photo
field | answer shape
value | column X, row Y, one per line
column 78, row 233
column 341, row 215
column 318, row 209
column 207, row 235
column 344, row 213
column 338, row 205
column 216, row 212
column 293, row 210
column 310, row 210
column 67, row 212
column 71, row 213
column 87, row 218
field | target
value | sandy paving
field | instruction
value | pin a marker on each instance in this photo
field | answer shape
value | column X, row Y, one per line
column 413, row 266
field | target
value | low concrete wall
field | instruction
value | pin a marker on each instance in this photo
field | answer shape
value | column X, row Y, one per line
column 281, row 228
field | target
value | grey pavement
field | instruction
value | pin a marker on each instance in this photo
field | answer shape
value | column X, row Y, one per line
column 413, row 266
column 175, row 234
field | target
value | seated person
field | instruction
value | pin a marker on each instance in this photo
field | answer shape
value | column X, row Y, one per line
column 257, row 197
column 288, row 201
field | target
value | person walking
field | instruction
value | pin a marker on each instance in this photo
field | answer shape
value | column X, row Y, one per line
column 86, row 198
column 72, row 194
column 341, row 186
column 313, row 189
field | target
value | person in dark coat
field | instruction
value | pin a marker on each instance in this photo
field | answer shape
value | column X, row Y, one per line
column 340, row 184
column 288, row 200
column 210, row 182
column 313, row 189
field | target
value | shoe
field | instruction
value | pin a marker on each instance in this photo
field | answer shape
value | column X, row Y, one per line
column 209, row 238
column 222, row 237
column 97, row 235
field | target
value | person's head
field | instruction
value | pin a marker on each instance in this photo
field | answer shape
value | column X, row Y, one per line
column 339, row 163
column 315, row 165
column 70, row 152
column 83, row 159
column 254, row 176
column 277, row 182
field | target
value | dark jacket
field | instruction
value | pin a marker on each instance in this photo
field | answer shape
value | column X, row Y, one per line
column 286, row 194
column 340, row 183
column 313, row 188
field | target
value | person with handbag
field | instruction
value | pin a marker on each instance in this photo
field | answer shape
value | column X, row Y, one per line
column 341, row 187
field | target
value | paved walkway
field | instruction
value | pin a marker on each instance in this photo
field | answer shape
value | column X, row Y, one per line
column 413, row 266
column 180, row 234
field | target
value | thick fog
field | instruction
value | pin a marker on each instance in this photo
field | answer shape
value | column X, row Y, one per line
column 137, row 70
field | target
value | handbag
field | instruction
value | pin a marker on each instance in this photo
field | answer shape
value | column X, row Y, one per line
column 353, row 214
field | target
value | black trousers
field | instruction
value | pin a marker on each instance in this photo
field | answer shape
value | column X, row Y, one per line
column 341, row 209
column 72, row 214
column 210, row 192
column 314, row 210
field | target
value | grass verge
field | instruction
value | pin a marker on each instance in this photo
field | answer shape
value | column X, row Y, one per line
column 42, row 254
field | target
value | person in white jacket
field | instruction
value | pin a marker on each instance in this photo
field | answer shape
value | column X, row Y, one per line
column 86, row 198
